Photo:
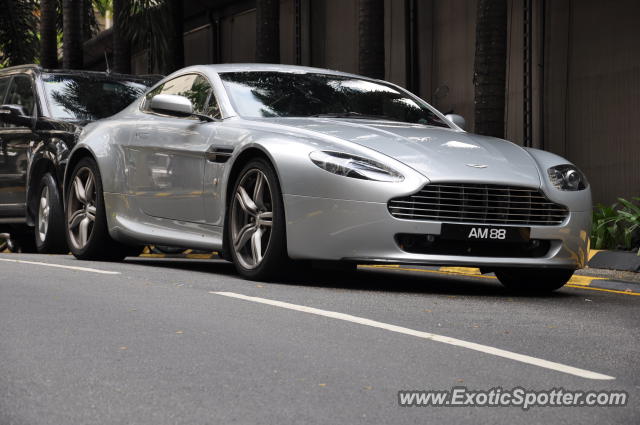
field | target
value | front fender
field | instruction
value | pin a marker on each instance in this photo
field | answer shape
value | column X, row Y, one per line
column 298, row 175
column 102, row 141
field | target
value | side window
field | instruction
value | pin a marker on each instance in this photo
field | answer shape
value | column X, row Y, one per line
column 21, row 93
column 4, row 83
column 194, row 87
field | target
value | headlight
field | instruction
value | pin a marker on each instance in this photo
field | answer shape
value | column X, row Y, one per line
column 344, row 164
column 567, row 177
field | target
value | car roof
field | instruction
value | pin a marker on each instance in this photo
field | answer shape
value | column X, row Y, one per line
column 249, row 67
column 39, row 70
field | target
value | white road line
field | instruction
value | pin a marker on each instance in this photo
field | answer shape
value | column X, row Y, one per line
column 82, row 269
column 426, row 335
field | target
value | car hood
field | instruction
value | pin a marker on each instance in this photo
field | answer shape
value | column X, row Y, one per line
column 440, row 154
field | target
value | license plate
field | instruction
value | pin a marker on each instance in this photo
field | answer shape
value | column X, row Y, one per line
column 480, row 233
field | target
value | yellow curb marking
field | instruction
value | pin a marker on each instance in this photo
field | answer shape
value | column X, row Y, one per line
column 380, row 266
column 465, row 270
column 576, row 281
column 200, row 256
column 397, row 267
column 593, row 252
column 583, row 280
column 603, row 290
column 193, row 256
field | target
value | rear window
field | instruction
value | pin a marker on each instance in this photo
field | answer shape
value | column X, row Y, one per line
column 90, row 97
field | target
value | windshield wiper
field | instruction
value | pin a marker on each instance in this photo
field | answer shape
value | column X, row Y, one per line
column 357, row 115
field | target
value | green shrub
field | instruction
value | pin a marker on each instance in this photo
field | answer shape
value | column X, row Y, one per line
column 617, row 226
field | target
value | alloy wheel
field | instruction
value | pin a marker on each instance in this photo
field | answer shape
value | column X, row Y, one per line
column 81, row 207
column 43, row 213
column 251, row 219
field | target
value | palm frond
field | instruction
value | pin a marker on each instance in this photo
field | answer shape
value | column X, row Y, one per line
column 103, row 6
column 18, row 32
column 147, row 23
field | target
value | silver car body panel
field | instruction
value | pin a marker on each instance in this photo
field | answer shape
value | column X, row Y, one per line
column 160, row 188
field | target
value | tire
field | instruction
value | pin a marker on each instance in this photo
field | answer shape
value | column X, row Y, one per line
column 24, row 244
column 22, row 239
column 50, row 229
column 534, row 281
column 86, row 228
column 262, row 215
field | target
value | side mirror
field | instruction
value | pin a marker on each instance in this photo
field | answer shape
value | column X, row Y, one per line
column 171, row 104
column 15, row 114
column 457, row 120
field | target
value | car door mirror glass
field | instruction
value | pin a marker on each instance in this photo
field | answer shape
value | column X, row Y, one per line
column 171, row 104
column 457, row 120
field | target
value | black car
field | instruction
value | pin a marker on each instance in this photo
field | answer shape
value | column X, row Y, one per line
column 41, row 114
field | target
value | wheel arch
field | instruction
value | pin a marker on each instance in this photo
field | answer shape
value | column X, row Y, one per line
column 247, row 154
column 77, row 155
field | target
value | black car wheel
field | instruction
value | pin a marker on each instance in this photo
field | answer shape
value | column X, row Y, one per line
column 22, row 239
column 49, row 232
column 256, row 225
column 86, row 221
column 534, row 281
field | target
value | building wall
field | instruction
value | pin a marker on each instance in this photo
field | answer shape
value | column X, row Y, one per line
column 334, row 34
column 453, row 57
column 601, row 93
column 394, row 42
column 287, row 32
column 198, row 45
column 238, row 37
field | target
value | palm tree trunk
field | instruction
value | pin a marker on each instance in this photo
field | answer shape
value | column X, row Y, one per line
column 490, row 67
column 72, row 57
column 48, row 34
column 176, row 41
column 268, row 31
column 371, row 38
column 121, row 43
column 87, row 17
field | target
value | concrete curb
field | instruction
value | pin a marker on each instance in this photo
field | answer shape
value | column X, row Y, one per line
column 615, row 260
column 577, row 281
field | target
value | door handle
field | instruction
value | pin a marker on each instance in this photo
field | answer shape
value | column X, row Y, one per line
column 142, row 135
column 218, row 154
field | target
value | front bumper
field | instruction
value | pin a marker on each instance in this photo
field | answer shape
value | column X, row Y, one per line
column 332, row 229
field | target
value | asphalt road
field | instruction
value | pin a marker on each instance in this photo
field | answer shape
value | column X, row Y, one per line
column 159, row 341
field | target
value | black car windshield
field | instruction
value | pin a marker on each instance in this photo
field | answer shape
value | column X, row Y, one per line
column 87, row 97
column 258, row 94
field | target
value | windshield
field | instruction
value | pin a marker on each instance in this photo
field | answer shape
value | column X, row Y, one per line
column 257, row 94
column 90, row 97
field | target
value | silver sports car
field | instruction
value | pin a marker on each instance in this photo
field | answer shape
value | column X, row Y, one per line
column 276, row 165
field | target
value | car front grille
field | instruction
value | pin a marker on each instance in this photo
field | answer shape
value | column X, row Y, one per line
column 479, row 203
